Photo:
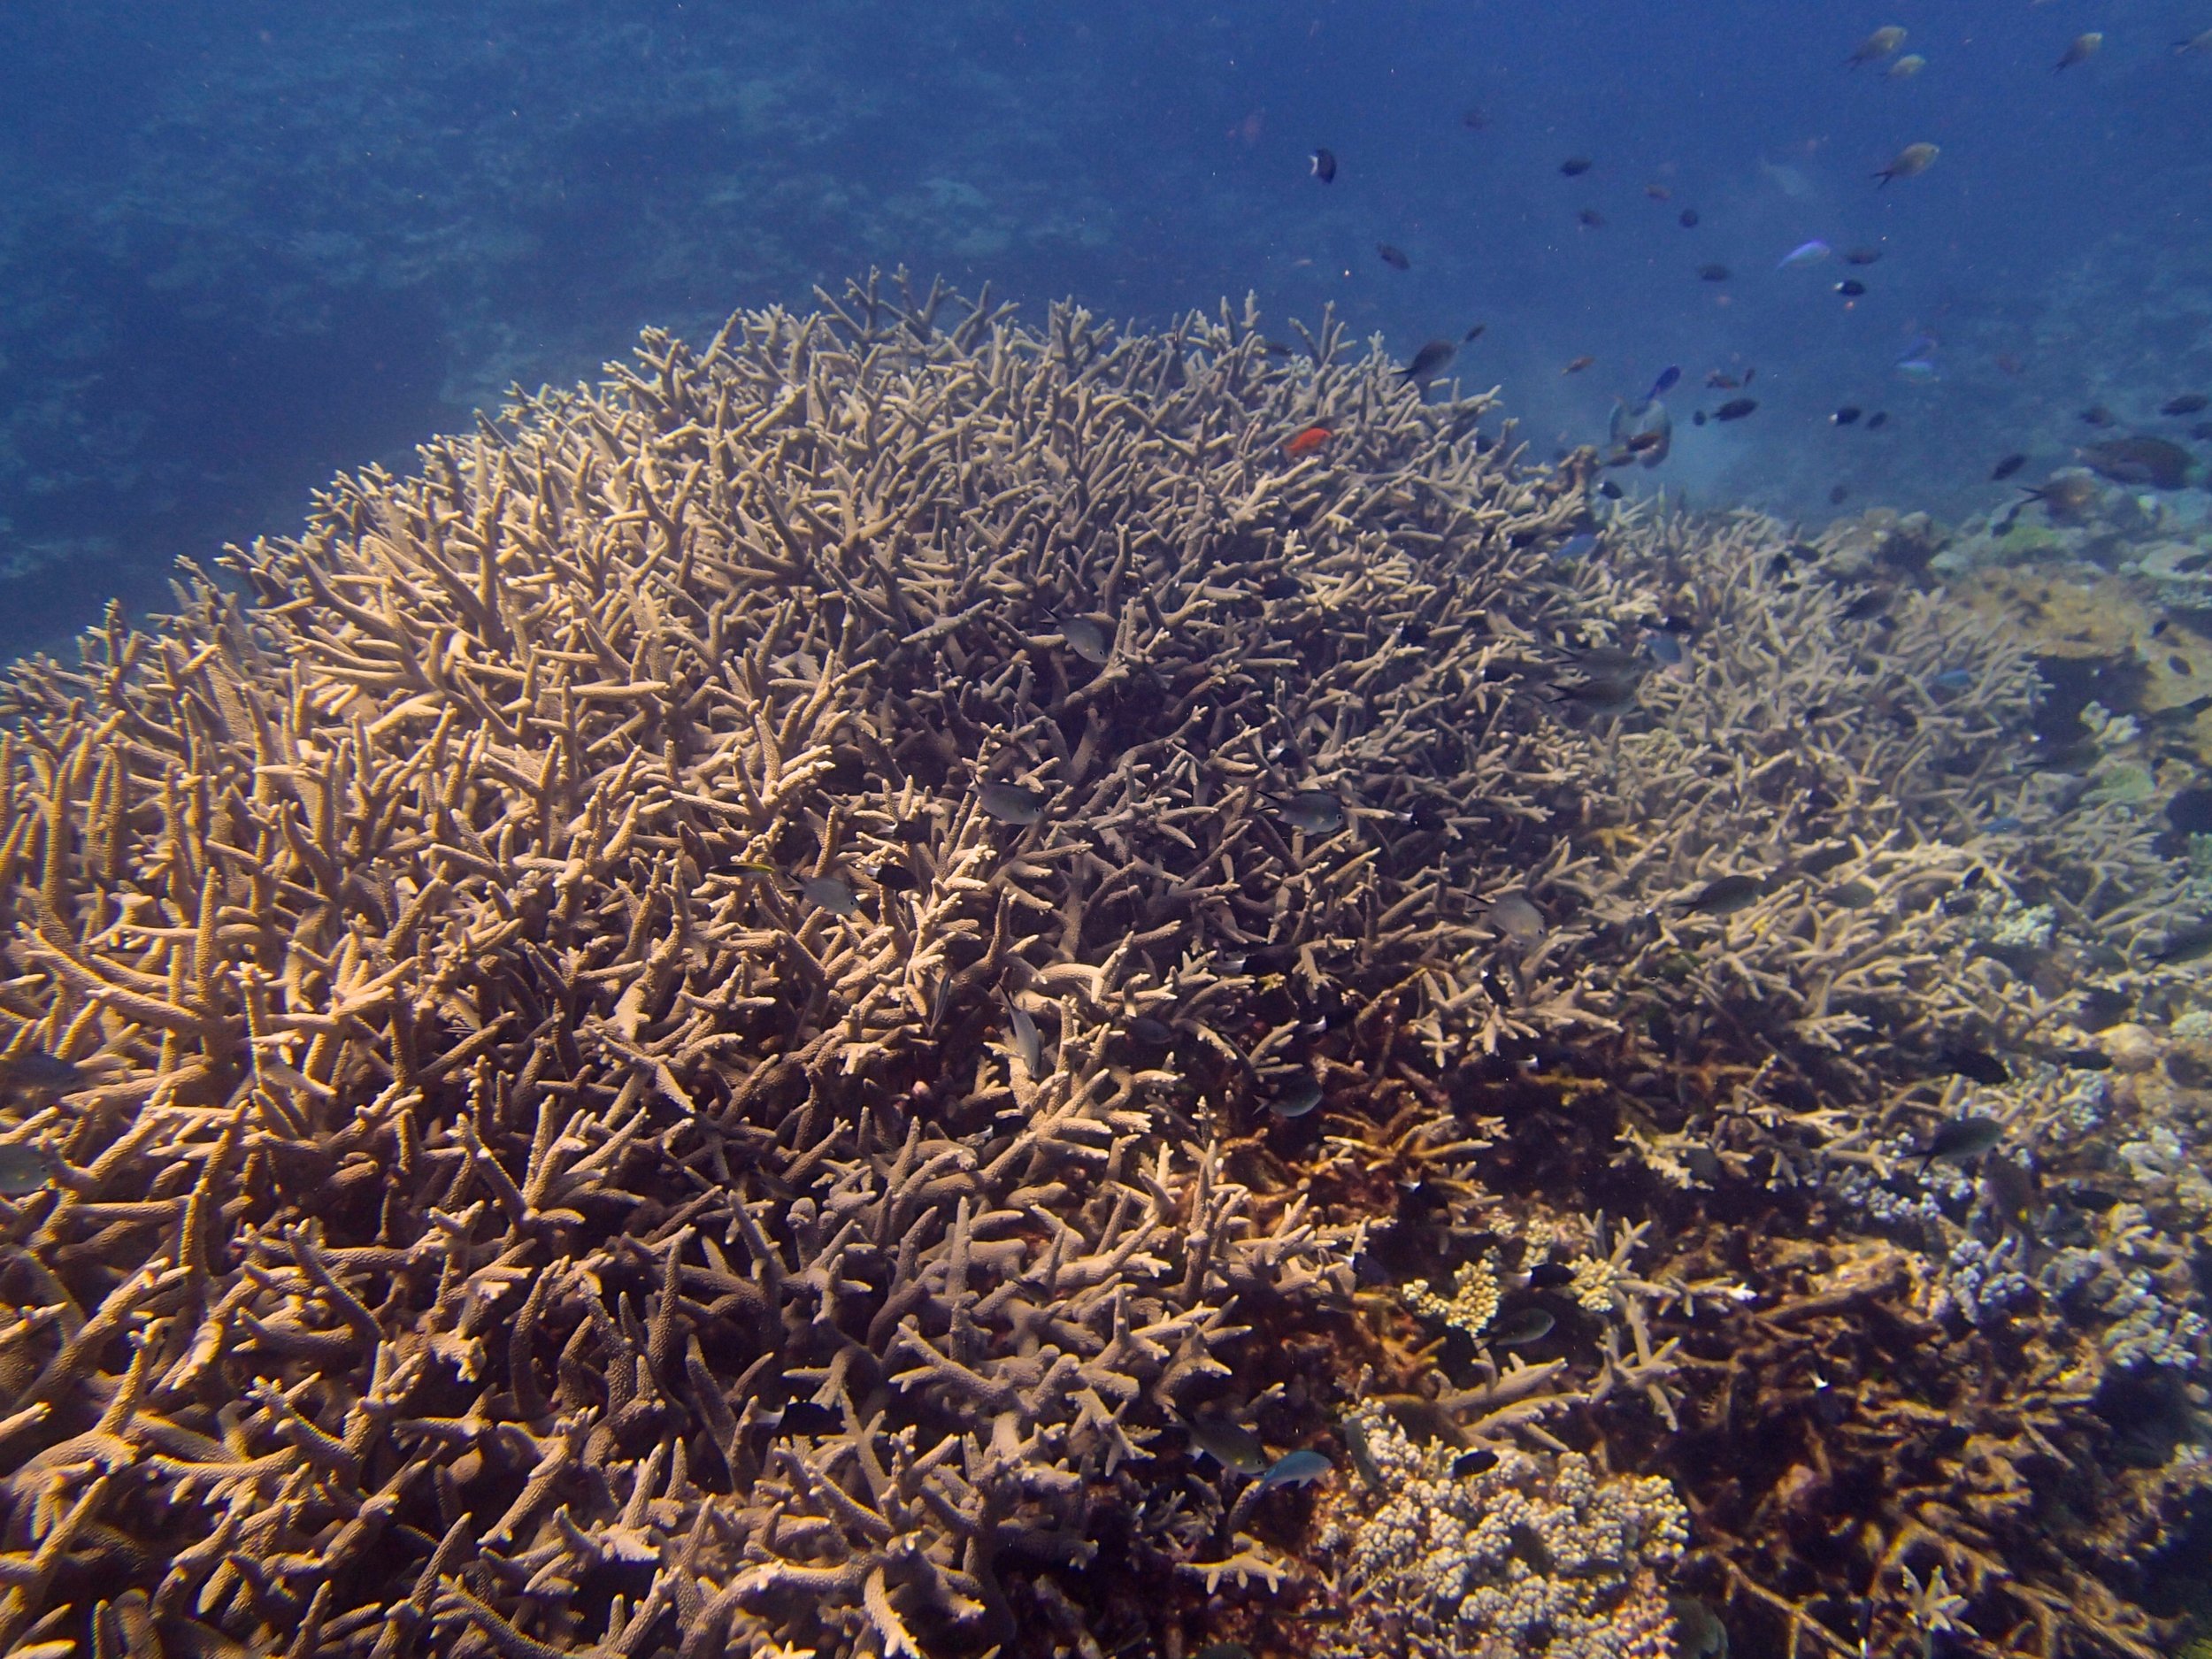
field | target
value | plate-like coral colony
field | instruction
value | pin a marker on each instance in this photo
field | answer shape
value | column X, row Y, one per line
column 905, row 986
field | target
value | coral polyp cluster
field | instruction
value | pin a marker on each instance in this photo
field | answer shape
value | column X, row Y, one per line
column 837, row 994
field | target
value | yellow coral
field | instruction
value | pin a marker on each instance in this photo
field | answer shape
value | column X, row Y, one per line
column 1473, row 1303
column 1597, row 1283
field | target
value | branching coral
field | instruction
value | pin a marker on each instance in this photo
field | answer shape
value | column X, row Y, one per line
column 707, row 1024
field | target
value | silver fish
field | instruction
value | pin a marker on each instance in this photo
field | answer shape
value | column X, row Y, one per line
column 1295, row 1468
column 1085, row 638
column 831, row 893
column 1010, row 803
column 24, row 1169
column 1516, row 918
column 1028, row 1043
column 1315, row 811
column 1230, row 1444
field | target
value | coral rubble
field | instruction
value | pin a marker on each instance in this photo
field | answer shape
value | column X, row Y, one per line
column 742, row 1016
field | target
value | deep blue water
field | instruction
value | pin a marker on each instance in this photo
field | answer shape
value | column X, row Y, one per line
column 244, row 246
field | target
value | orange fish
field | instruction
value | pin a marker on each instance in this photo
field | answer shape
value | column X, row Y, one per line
column 1306, row 441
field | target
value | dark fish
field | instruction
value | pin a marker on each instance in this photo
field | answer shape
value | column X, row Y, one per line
column 2080, row 50
column 1713, row 272
column 1959, row 1138
column 1699, row 1632
column 1876, row 421
column 1861, row 255
column 2202, row 432
column 1669, row 378
column 2082, row 1059
column 1666, row 651
column 1085, row 638
column 1316, row 811
column 1230, row 1444
column 1822, row 859
column 2006, row 467
column 1473, row 334
column 832, row 893
column 1296, row 1468
column 1686, row 219
column 1726, row 895
column 1393, row 258
column 1153, row 1034
column 1646, row 433
column 1851, row 288
column 2067, row 498
column 1977, row 1065
column 1474, row 120
column 2185, row 944
column 1735, row 408
column 1469, row 1464
column 1550, row 1276
column 1590, row 219
column 1223, row 1650
column 1853, row 896
column 2187, row 403
column 1611, row 491
column 1325, row 165
column 25, row 1169
column 2097, row 415
column 1363, row 1454
column 895, row 878
column 1428, row 360
column 1837, row 494
column 1697, row 418
column 39, row 1073
column 1530, row 1324
column 1845, row 416
column 1575, row 166
column 1911, row 162
column 1602, row 694
column 1010, row 803
column 1578, row 364
column 2152, row 461
column 810, row 1418
column 1296, row 1099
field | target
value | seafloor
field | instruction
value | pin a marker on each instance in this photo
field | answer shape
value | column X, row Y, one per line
column 904, row 985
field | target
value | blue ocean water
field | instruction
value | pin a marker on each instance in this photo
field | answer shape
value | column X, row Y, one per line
column 243, row 246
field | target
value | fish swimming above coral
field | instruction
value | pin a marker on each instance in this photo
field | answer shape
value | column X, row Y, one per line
column 1429, row 361
column 1645, row 432
column 2156, row 462
column 1959, row 1139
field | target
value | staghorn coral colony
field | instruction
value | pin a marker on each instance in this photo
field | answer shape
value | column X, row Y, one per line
column 890, row 987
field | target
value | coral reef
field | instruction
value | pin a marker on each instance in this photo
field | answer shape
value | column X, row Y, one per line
column 745, row 1015
column 1517, row 1557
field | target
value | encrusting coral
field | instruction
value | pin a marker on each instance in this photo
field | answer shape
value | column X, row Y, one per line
column 712, row 1025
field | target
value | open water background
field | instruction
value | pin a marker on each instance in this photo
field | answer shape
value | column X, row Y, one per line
column 243, row 246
